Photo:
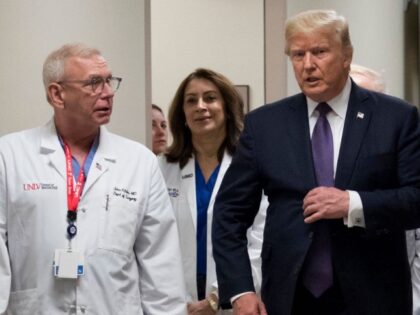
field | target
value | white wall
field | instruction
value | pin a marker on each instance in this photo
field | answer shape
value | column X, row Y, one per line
column 29, row 30
column 376, row 30
column 226, row 36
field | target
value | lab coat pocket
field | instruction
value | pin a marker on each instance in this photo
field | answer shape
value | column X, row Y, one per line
column 23, row 302
column 119, row 222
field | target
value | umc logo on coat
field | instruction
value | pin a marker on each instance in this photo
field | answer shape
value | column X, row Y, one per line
column 38, row 186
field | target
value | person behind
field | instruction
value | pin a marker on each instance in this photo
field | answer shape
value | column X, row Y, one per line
column 206, row 118
column 86, row 225
column 159, row 130
column 340, row 167
column 367, row 78
column 413, row 248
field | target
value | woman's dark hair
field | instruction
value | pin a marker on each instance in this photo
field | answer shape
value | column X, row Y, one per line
column 154, row 106
column 181, row 148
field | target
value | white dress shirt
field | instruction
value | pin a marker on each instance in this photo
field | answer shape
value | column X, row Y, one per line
column 336, row 119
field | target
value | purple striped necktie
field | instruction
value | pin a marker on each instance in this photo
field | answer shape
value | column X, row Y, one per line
column 318, row 272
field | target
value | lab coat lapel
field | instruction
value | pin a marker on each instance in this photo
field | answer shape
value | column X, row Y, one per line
column 188, row 186
column 103, row 160
column 355, row 127
column 51, row 148
column 223, row 168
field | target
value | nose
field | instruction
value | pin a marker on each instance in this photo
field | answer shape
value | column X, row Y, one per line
column 107, row 90
column 159, row 130
column 201, row 105
column 308, row 61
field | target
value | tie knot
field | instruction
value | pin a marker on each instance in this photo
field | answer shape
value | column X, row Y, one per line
column 323, row 109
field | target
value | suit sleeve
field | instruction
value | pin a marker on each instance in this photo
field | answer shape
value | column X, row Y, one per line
column 158, row 253
column 398, row 207
column 5, row 270
column 236, row 206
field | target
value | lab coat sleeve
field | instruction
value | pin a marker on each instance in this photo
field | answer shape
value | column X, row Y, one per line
column 158, row 253
column 255, row 240
column 5, row 271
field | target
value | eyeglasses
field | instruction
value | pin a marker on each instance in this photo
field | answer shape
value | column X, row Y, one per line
column 97, row 83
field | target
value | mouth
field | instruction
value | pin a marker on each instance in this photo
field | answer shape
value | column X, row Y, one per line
column 104, row 110
column 311, row 80
column 202, row 119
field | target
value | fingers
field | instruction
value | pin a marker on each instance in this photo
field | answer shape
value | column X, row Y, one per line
column 325, row 203
column 262, row 309
column 247, row 304
column 313, row 205
column 315, row 196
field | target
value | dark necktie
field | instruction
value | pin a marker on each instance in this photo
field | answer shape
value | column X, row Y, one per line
column 318, row 273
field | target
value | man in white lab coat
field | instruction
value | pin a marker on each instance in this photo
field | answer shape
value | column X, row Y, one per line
column 86, row 225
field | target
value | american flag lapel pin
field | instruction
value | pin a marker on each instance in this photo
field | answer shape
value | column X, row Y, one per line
column 360, row 115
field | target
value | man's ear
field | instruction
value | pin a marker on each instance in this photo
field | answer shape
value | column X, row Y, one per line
column 348, row 54
column 55, row 95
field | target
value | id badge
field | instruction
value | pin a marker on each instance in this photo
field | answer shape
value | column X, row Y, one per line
column 68, row 264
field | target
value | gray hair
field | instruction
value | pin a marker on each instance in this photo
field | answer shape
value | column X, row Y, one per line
column 308, row 21
column 53, row 69
column 373, row 76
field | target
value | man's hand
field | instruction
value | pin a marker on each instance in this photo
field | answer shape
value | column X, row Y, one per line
column 249, row 304
column 325, row 203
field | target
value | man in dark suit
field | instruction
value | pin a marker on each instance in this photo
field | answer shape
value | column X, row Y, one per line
column 341, row 168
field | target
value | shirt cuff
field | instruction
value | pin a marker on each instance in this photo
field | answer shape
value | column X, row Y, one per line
column 237, row 296
column 355, row 216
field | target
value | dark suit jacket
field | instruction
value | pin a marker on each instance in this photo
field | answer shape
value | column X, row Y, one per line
column 379, row 158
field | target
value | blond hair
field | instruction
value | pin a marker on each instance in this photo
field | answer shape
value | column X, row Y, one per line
column 308, row 21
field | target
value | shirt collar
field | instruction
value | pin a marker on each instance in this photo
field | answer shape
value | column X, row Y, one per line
column 338, row 104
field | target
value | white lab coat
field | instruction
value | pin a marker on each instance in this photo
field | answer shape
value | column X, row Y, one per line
column 413, row 249
column 182, row 190
column 126, row 230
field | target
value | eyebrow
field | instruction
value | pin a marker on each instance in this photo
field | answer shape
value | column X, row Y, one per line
column 206, row 92
column 99, row 76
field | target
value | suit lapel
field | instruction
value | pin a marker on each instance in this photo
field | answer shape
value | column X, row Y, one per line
column 356, row 123
column 299, row 135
